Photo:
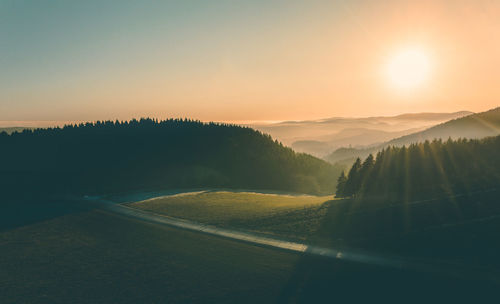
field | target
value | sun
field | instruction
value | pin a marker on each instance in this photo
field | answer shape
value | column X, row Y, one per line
column 408, row 69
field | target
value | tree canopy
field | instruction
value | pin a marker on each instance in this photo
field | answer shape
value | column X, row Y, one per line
column 427, row 169
column 150, row 154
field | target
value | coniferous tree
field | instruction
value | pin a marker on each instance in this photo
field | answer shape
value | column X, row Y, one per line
column 341, row 185
column 106, row 156
column 365, row 171
column 353, row 182
column 428, row 169
column 367, row 165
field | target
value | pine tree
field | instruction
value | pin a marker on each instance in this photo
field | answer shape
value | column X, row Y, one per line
column 353, row 183
column 341, row 185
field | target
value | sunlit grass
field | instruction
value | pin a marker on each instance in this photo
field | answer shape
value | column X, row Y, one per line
column 287, row 215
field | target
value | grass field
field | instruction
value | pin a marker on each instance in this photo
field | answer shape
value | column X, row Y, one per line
column 72, row 252
column 461, row 229
column 292, row 216
column 99, row 257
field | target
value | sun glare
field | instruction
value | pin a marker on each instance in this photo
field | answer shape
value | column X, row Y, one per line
column 408, row 69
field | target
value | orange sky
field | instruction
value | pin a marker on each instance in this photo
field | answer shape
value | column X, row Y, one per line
column 265, row 60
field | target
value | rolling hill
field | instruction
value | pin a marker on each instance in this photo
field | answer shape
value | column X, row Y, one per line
column 427, row 169
column 149, row 154
column 320, row 137
column 473, row 126
column 351, row 137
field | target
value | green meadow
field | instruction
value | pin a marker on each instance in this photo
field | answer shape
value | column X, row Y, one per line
column 94, row 256
column 420, row 229
column 99, row 257
column 289, row 215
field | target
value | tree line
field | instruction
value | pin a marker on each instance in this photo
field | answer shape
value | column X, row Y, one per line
column 424, row 170
column 110, row 156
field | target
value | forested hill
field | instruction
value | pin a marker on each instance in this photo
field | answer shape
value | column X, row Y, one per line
column 426, row 170
column 149, row 154
column 472, row 126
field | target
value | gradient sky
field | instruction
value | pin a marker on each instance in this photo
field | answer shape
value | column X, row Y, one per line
column 242, row 60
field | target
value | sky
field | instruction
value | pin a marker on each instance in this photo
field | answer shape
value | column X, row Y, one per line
column 244, row 60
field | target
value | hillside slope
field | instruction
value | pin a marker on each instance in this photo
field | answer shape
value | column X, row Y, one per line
column 473, row 126
column 147, row 154
column 331, row 130
column 351, row 137
column 427, row 169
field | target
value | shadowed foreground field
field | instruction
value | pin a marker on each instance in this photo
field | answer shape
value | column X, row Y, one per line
column 98, row 257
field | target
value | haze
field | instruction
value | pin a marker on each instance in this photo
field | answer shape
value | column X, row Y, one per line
column 242, row 60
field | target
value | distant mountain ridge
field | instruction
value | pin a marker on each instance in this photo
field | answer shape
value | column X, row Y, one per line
column 409, row 116
column 474, row 126
column 322, row 136
column 432, row 116
column 351, row 137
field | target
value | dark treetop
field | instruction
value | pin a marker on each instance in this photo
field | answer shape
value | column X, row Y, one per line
column 425, row 170
column 150, row 154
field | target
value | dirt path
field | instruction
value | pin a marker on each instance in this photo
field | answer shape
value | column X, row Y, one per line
column 428, row 266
